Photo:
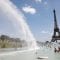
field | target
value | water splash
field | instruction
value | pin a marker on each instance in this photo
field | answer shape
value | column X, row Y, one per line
column 14, row 23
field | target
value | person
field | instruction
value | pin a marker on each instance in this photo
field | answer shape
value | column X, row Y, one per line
column 55, row 50
column 59, row 49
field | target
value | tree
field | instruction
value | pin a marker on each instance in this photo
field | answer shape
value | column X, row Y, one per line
column 3, row 37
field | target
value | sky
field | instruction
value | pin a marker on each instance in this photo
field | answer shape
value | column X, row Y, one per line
column 39, row 16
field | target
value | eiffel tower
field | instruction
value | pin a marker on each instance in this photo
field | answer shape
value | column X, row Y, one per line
column 56, row 34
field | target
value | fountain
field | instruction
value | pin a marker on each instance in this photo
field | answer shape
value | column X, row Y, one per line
column 13, row 23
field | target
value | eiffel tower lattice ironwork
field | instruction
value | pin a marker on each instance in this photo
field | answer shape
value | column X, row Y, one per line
column 56, row 34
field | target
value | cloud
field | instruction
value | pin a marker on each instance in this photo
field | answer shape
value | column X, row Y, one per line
column 38, row 1
column 29, row 9
column 46, row 32
column 45, row 3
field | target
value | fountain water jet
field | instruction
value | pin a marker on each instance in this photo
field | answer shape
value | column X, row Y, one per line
column 14, row 23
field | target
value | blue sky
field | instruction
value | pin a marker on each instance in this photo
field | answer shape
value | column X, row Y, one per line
column 40, row 22
column 39, row 16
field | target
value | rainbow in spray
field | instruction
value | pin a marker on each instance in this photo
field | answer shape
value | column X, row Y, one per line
column 15, row 23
